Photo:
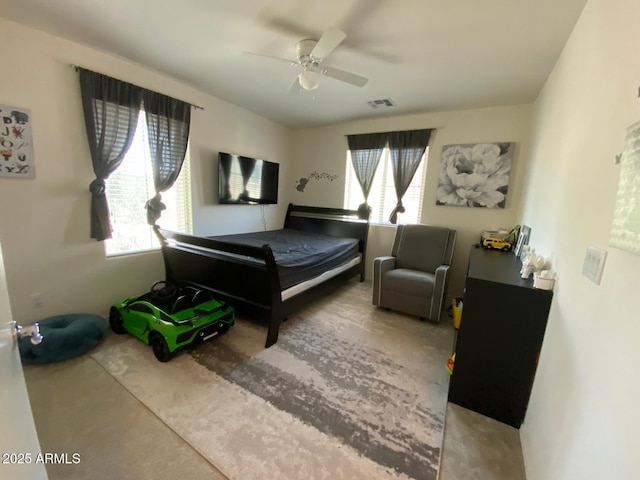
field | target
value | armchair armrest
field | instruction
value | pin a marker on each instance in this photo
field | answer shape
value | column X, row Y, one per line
column 439, row 288
column 442, row 271
column 384, row 263
column 381, row 265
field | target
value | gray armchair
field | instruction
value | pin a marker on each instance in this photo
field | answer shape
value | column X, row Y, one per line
column 414, row 278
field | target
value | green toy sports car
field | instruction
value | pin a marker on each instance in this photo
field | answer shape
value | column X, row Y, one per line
column 169, row 317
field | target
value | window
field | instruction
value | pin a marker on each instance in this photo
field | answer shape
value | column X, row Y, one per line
column 128, row 189
column 382, row 197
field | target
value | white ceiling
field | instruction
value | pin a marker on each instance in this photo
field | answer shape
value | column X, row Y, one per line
column 425, row 55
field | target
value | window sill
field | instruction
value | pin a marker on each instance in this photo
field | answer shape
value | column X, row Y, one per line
column 132, row 252
column 389, row 224
column 382, row 224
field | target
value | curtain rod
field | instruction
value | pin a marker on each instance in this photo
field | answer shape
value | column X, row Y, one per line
column 408, row 130
column 77, row 67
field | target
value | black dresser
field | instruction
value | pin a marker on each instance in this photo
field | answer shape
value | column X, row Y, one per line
column 500, row 336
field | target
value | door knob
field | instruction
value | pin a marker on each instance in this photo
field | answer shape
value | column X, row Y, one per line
column 32, row 331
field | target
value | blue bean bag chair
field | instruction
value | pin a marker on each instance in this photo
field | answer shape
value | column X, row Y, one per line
column 63, row 337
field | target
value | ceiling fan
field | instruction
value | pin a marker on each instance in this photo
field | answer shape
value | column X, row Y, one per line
column 311, row 55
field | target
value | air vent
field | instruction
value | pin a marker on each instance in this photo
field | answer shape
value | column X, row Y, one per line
column 382, row 103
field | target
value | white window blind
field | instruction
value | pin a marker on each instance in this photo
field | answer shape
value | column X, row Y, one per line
column 382, row 197
column 129, row 188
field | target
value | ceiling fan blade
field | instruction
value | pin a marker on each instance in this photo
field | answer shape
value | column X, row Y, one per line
column 328, row 42
column 295, row 89
column 293, row 63
column 343, row 76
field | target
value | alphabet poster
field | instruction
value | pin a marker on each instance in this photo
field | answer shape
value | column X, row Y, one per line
column 16, row 143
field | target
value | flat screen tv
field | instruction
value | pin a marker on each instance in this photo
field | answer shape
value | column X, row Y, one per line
column 246, row 180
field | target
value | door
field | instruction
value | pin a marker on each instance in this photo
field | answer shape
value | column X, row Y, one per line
column 19, row 444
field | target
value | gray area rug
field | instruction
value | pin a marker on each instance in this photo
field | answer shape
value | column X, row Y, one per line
column 349, row 391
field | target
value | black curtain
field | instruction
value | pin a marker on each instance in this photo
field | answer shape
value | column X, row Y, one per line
column 225, row 170
column 111, row 109
column 366, row 150
column 247, row 165
column 406, row 149
column 168, row 122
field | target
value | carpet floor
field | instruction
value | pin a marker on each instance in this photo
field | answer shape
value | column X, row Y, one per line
column 348, row 392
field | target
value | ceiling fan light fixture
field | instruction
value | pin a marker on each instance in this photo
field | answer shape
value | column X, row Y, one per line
column 311, row 55
column 309, row 80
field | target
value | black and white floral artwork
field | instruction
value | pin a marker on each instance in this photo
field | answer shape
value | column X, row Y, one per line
column 475, row 175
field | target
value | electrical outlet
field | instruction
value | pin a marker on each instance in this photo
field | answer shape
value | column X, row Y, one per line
column 594, row 264
column 36, row 300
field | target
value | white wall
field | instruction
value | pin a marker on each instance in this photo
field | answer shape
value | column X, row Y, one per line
column 230, row 129
column 583, row 418
column 44, row 223
column 323, row 149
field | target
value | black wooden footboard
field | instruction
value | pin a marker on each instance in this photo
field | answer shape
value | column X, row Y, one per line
column 249, row 275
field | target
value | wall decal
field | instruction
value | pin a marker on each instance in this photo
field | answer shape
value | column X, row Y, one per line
column 625, row 229
column 302, row 183
column 16, row 143
column 475, row 175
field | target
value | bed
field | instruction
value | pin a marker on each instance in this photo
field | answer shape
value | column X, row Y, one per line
column 275, row 272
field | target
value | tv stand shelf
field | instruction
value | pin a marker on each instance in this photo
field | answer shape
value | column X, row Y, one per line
column 500, row 337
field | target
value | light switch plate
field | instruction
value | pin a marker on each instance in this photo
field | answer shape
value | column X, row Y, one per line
column 594, row 264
